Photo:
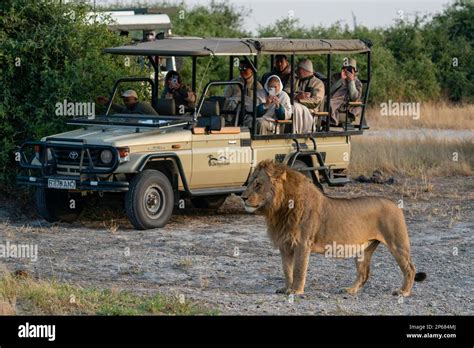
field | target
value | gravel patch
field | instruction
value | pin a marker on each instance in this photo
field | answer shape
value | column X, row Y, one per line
column 225, row 260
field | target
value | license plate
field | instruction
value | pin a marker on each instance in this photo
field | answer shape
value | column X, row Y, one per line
column 62, row 184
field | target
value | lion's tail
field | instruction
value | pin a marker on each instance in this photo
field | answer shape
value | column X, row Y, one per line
column 420, row 276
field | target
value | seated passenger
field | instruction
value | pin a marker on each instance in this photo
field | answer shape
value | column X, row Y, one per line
column 232, row 93
column 309, row 90
column 175, row 89
column 347, row 88
column 132, row 105
column 273, row 104
column 281, row 68
column 309, row 96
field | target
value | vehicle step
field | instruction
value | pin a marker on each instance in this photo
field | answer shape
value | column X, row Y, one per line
column 338, row 181
column 217, row 191
column 312, row 168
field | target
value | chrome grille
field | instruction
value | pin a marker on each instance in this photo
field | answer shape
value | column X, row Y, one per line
column 72, row 157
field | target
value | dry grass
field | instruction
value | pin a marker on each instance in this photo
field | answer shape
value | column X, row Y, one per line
column 24, row 295
column 435, row 116
column 411, row 157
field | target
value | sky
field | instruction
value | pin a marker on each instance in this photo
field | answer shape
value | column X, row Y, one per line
column 370, row 13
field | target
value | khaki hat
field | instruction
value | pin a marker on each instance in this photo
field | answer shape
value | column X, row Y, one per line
column 129, row 93
column 306, row 64
column 350, row 62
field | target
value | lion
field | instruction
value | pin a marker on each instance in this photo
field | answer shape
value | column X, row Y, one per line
column 301, row 219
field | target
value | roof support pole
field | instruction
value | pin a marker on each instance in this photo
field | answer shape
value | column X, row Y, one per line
column 157, row 77
column 366, row 96
column 193, row 81
column 231, row 68
column 155, row 63
column 292, row 80
column 328, row 107
column 254, row 110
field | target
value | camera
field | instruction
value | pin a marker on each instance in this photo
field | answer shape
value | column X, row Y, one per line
column 350, row 69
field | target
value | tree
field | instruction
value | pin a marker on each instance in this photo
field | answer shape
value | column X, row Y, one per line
column 49, row 52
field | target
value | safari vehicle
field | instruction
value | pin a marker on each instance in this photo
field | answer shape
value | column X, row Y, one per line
column 140, row 24
column 159, row 161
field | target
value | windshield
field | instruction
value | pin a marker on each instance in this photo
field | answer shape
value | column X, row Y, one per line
column 133, row 120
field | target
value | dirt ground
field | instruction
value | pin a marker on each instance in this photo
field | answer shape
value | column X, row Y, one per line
column 224, row 259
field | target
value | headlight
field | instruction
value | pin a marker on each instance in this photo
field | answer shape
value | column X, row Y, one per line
column 106, row 156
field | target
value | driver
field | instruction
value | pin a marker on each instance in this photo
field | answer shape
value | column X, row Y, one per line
column 132, row 105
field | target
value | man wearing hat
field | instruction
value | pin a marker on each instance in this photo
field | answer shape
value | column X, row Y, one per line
column 309, row 90
column 132, row 105
column 232, row 93
column 347, row 88
column 309, row 96
column 282, row 69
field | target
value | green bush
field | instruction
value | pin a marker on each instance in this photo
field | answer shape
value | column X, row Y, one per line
column 449, row 39
column 49, row 53
column 412, row 60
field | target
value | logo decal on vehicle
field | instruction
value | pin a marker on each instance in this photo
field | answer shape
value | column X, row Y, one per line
column 222, row 160
column 73, row 155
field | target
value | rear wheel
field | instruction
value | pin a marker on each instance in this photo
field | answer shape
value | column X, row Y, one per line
column 209, row 202
column 149, row 201
column 58, row 205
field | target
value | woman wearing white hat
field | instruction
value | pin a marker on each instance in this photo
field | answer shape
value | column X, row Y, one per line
column 274, row 104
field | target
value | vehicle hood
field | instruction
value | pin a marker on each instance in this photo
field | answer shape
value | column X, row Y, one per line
column 125, row 136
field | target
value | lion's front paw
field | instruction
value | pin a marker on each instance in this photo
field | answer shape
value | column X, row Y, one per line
column 294, row 292
column 287, row 291
column 352, row 290
column 401, row 293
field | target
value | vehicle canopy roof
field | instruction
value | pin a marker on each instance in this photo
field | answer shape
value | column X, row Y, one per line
column 129, row 21
column 201, row 47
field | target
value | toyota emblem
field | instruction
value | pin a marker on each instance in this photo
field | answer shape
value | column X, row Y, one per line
column 73, row 155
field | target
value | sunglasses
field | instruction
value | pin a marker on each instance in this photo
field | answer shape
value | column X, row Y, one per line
column 243, row 68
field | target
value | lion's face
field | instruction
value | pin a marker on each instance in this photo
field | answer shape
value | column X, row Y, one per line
column 261, row 188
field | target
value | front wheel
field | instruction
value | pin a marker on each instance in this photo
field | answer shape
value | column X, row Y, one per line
column 149, row 201
column 58, row 205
